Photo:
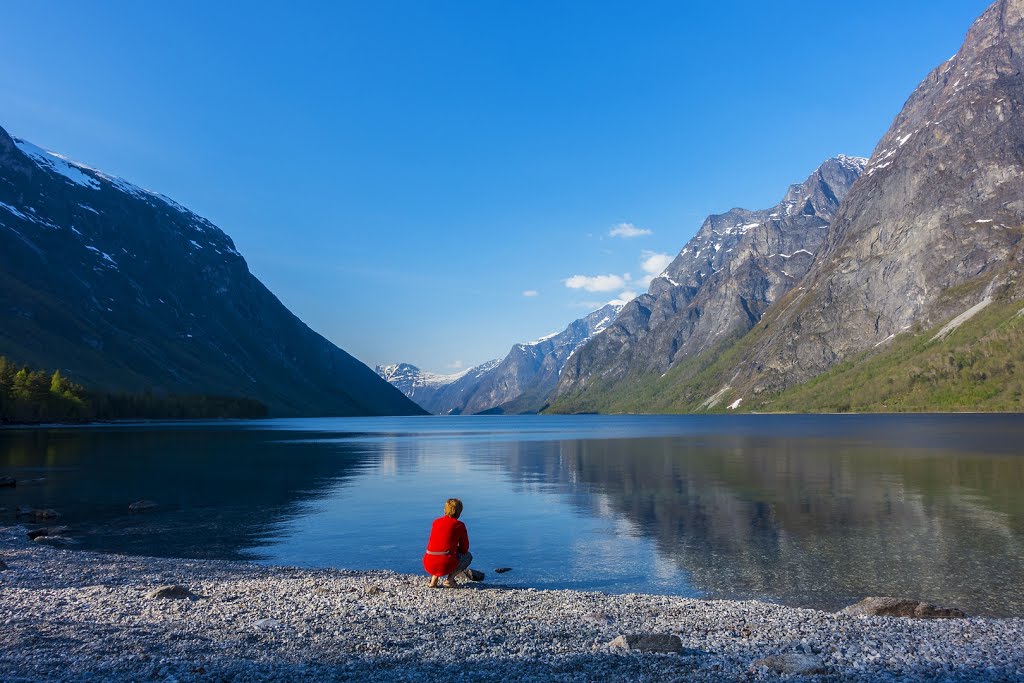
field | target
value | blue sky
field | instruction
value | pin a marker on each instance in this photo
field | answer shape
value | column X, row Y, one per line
column 421, row 181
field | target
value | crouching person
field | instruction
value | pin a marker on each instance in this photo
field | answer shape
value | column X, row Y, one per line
column 448, row 547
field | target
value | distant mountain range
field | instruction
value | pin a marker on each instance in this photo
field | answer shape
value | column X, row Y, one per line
column 521, row 382
column 899, row 289
column 124, row 289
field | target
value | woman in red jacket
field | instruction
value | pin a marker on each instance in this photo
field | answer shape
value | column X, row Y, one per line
column 448, row 548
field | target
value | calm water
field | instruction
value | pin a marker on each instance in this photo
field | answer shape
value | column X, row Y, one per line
column 804, row 510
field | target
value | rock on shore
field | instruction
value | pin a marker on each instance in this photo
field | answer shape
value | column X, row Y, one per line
column 71, row 615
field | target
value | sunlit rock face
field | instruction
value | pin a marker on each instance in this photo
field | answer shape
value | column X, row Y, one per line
column 933, row 227
column 720, row 284
column 124, row 289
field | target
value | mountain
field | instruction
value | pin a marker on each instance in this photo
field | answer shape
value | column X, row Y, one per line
column 521, row 382
column 124, row 289
column 718, row 288
column 930, row 236
column 437, row 394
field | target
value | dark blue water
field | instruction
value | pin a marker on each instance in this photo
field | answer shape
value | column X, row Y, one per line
column 805, row 510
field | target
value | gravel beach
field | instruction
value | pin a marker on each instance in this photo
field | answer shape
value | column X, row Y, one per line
column 76, row 616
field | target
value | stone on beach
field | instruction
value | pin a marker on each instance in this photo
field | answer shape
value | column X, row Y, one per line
column 649, row 642
column 174, row 592
column 142, row 506
column 474, row 575
column 33, row 534
column 791, row 663
column 901, row 607
column 598, row 619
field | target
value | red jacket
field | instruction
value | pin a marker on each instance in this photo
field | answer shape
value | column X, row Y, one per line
column 446, row 535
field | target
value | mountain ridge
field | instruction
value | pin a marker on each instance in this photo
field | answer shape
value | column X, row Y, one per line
column 124, row 289
column 520, row 382
column 716, row 289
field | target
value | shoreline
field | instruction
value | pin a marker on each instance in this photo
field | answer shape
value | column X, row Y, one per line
column 71, row 615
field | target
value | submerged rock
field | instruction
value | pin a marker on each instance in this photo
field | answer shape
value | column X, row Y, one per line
column 502, row 570
column 8, row 482
column 649, row 642
column 175, row 592
column 40, row 514
column 47, row 531
column 901, row 607
column 142, row 506
column 3, row 565
column 54, row 538
column 792, row 663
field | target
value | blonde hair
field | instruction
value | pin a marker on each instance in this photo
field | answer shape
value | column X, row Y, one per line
column 453, row 507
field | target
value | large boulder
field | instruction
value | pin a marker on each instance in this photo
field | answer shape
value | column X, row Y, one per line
column 901, row 607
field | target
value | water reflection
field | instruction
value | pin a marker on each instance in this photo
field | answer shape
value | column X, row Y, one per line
column 219, row 489
column 811, row 511
column 807, row 523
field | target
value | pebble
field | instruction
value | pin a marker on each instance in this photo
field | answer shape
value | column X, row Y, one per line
column 264, row 623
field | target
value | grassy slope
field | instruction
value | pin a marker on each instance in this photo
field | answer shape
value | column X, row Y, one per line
column 976, row 368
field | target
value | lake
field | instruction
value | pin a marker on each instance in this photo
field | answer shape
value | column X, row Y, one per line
column 815, row 511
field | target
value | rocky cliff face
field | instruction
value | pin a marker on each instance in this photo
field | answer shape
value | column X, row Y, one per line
column 520, row 382
column 932, row 229
column 124, row 289
column 719, row 285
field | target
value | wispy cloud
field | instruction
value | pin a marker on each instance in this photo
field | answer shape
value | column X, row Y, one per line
column 456, row 365
column 597, row 283
column 627, row 231
column 531, row 293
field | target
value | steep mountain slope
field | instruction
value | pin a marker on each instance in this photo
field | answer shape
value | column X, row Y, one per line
column 124, row 289
column 715, row 290
column 520, row 382
column 932, row 230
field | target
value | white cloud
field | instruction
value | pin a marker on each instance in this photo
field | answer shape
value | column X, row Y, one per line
column 653, row 265
column 531, row 293
column 625, row 296
column 628, row 230
column 597, row 283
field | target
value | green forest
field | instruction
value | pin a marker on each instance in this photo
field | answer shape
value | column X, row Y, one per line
column 29, row 396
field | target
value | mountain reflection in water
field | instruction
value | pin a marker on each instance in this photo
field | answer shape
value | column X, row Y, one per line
column 808, row 511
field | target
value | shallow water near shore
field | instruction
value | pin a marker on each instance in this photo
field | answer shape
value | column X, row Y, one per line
column 812, row 511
